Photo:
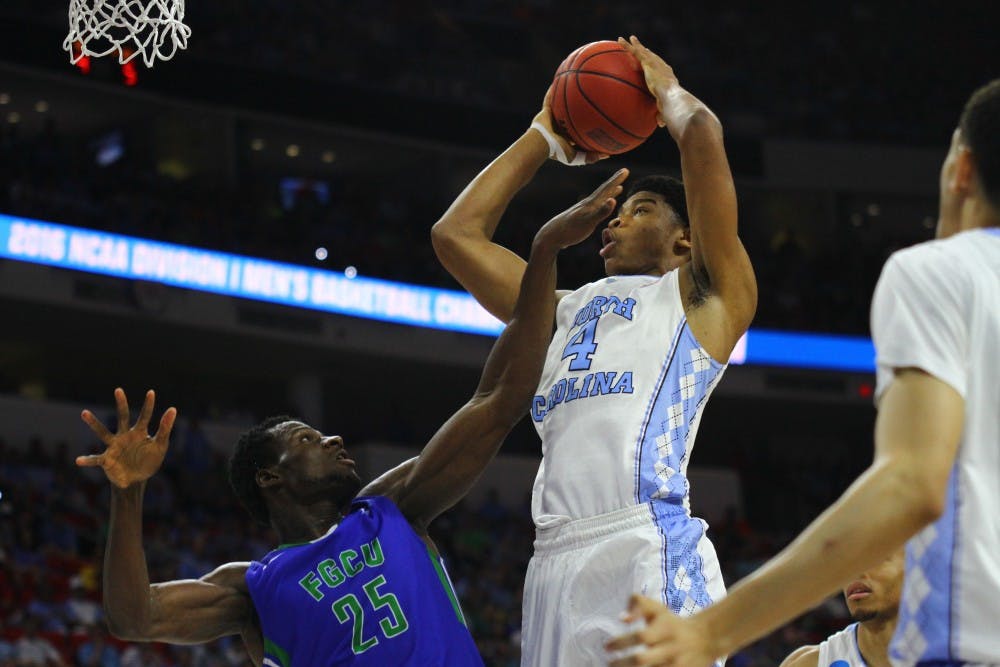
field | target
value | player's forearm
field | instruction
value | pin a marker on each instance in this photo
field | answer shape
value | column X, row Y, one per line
column 876, row 516
column 479, row 207
column 126, row 579
column 515, row 365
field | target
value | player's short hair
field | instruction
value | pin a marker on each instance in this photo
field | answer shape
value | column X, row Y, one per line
column 980, row 128
column 668, row 187
column 254, row 450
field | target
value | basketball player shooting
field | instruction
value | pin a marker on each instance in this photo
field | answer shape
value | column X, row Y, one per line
column 632, row 362
column 934, row 484
column 873, row 602
column 357, row 580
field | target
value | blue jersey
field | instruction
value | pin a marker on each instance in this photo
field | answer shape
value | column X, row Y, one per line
column 369, row 592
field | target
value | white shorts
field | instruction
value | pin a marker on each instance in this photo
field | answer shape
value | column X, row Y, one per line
column 580, row 578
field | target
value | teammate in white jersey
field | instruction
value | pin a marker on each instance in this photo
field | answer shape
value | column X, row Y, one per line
column 630, row 367
column 936, row 474
column 873, row 601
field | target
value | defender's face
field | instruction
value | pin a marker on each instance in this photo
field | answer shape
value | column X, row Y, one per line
column 875, row 594
column 643, row 238
column 312, row 463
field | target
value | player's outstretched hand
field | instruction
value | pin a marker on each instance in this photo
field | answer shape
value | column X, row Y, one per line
column 132, row 455
column 580, row 220
column 560, row 148
column 659, row 75
column 665, row 640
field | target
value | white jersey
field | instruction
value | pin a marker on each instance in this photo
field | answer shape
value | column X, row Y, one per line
column 841, row 649
column 619, row 401
column 937, row 308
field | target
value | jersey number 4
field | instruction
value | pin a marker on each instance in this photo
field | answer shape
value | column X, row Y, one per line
column 349, row 608
column 581, row 347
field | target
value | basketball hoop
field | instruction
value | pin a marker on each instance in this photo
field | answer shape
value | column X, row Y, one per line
column 152, row 28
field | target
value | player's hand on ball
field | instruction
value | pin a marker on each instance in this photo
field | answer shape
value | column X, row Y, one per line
column 666, row 638
column 132, row 455
column 570, row 155
column 660, row 76
column 580, row 220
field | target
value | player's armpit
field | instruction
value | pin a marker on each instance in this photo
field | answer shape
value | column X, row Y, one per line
column 804, row 656
column 193, row 611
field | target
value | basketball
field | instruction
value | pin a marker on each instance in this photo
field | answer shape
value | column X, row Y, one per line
column 600, row 100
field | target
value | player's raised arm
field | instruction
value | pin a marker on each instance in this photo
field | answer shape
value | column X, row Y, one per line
column 719, row 261
column 461, row 449
column 180, row 611
column 463, row 237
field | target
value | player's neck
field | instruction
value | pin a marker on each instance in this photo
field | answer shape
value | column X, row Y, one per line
column 979, row 214
column 873, row 641
column 298, row 524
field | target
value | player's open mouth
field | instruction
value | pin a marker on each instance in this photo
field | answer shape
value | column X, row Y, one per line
column 342, row 456
column 608, row 240
column 857, row 591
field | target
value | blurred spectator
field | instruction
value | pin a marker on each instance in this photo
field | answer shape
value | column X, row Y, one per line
column 96, row 651
column 80, row 611
column 46, row 609
column 33, row 650
column 142, row 655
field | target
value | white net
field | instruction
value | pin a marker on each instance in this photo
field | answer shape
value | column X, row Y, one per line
column 129, row 28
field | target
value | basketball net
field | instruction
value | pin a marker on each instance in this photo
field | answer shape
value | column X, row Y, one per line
column 129, row 28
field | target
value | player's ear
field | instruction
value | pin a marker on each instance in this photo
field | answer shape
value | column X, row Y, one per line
column 682, row 242
column 964, row 177
column 267, row 477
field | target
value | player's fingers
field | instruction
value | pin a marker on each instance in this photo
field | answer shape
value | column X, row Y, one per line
column 147, row 410
column 95, row 425
column 121, row 405
column 606, row 208
column 547, row 101
column 166, row 425
column 614, row 181
column 645, row 607
column 623, row 642
column 90, row 460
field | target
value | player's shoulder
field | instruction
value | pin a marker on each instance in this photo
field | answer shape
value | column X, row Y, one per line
column 804, row 656
column 950, row 257
column 229, row 575
column 380, row 504
column 932, row 270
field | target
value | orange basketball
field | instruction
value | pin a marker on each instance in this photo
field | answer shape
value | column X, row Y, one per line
column 600, row 100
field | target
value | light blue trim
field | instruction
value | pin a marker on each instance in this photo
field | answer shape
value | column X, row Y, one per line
column 649, row 409
column 681, row 534
column 930, row 577
column 678, row 399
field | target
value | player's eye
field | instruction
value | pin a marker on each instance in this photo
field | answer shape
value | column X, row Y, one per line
column 641, row 209
column 304, row 438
